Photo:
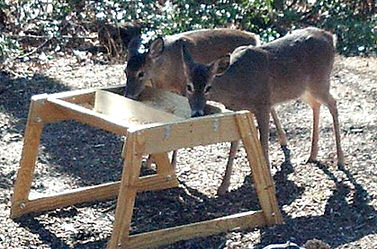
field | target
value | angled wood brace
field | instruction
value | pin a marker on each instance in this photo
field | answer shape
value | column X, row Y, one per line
column 166, row 133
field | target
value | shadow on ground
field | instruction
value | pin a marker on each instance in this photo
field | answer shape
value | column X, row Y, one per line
column 343, row 221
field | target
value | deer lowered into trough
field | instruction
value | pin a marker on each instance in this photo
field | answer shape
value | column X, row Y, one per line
column 297, row 65
column 162, row 66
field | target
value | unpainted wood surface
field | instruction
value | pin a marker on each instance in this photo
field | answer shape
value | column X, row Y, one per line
column 92, row 193
column 260, row 172
column 188, row 133
column 200, row 229
column 29, row 155
column 129, row 111
column 90, row 117
column 156, row 138
column 166, row 101
column 127, row 194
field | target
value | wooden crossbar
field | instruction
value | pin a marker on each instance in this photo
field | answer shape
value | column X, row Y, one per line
column 244, row 220
column 89, row 117
column 91, row 193
column 216, row 128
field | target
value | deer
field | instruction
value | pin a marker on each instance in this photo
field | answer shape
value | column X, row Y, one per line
column 161, row 66
column 256, row 78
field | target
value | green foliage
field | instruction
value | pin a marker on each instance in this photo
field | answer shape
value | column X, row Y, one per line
column 353, row 21
column 8, row 47
column 355, row 28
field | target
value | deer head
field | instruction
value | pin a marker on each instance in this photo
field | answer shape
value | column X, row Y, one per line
column 138, row 69
column 199, row 78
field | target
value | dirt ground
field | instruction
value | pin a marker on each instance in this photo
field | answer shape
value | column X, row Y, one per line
column 318, row 200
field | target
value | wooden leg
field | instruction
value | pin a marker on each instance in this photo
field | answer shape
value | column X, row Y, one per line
column 261, row 174
column 164, row 168
column 127, row 194
column 29, row 156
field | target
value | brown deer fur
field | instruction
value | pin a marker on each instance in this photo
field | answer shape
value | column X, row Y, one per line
column 295, row 66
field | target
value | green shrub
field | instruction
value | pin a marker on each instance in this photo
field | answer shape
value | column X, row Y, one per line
column 8, row 48
column 353, row 21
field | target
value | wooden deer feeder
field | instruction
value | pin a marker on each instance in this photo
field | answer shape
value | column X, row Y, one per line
column 157, row 125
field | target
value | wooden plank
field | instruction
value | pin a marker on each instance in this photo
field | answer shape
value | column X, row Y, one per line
column 75, row 95
column 87, row 98
column 260, row 172
column 90, row 117
column 157, row 138
column 92, row 193
column 166, row 101
column 29, row 155
column 43, row 111
column 128, row 110
column 72, row 94
column 127, row 194
column 200, row 229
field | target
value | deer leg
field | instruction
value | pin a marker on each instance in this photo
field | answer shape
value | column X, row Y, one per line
column 316, row 107
column 149, row 161
column 262, row 116
column 331, row 104
column 281, row 136
column 174, row 159
column 228, row 171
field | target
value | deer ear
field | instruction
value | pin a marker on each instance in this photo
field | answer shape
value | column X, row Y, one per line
column 187, row 59
column 156, row 48
column 134, row 46
column 219, row 66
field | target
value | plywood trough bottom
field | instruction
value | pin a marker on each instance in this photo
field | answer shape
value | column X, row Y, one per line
column 156, row 125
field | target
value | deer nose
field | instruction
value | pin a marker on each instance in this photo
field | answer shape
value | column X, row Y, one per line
column 127, row 94
column 197, row 113
column 131, row 97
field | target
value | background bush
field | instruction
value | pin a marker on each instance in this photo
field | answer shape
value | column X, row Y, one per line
column 66, row 23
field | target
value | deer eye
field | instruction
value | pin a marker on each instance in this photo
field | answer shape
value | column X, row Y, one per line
column 208, row 88
column 189, row 88
column 140, row 75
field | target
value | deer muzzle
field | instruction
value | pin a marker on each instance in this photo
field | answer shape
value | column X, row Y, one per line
column 197, row 103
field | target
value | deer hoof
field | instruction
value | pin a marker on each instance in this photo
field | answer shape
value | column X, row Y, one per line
column 287, row 153
column 312, row 160
column 340, row 165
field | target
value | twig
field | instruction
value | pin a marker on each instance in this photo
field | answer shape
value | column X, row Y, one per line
column 35, row 50
column 46, row 36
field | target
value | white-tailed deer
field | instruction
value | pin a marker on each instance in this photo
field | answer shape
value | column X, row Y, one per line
column 162, row 66
column 256, row 78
